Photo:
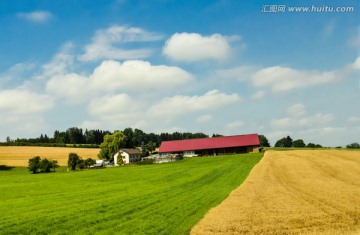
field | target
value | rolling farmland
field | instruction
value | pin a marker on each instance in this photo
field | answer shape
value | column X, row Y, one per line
column 292, row 192
column 18, row 156
column 149, row 199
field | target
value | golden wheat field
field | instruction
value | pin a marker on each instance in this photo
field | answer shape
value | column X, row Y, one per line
column 19, row 156
column 293, row 192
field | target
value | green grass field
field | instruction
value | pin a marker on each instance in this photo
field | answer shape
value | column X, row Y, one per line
column 150, row 199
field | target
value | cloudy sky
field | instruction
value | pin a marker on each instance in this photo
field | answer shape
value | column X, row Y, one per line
column 224, row 67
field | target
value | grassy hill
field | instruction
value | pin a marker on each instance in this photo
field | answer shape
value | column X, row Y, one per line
column 149, row 199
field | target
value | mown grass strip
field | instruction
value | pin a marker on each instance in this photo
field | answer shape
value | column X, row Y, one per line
column 149, row 199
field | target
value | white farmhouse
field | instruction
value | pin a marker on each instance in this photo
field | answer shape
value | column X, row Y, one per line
column 127, row 155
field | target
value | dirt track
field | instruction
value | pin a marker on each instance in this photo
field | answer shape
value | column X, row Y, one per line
column 292, row 192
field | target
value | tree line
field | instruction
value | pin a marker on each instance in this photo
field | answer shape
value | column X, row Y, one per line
column 77, row 137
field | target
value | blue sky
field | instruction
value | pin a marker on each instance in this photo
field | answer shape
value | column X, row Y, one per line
column 210, row 66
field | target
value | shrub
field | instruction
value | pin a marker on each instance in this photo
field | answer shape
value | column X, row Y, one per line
column 34, row 164
column 145, row 162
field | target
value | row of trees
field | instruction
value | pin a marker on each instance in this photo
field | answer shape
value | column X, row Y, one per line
column 75, row 161
column 353, row 146
column 76, row 136
column 287, row 142
column 38, row 165
column 72, row 135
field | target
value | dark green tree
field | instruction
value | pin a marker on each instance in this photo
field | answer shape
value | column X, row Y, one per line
column 54, row 164
column 285, row 142
column 129, row 133
column 45, row 165
column 353, row 146
column 34, row 164
column 89, row 162
column 299, row 143
column 73, row 161
column 264, row 142
column 151, row 146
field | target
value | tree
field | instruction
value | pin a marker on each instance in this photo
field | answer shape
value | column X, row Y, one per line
column 312, row 145
column 151, row 146
column 299, row 143
column 54, row 164
column 285, row 142
column 129, row 133
column 264, row 142
column 34, row 164
column 73, row 160
column 45, row 165
column 353, row 146
column 112, row 144
column 89, row 162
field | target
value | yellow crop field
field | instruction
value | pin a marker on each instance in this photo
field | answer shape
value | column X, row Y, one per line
column 293, row 192
column 19, row 155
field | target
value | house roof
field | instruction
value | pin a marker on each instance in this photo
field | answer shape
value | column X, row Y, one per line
column 131, row 151
column 210, row 143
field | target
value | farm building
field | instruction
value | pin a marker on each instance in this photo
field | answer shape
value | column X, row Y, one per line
column 127, row 155
column 212, row 146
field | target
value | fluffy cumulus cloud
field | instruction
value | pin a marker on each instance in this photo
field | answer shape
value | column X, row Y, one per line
column 36, row 16
column 180, row 105
column 105, row 43
column 21, row 102
column 113, row 76
column 298, row 119
column 71, row 86
column 282, row 79
column 22, row 113
column 137, row 75
column 190, row 47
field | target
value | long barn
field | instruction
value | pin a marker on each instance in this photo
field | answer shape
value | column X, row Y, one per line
column 212, row 146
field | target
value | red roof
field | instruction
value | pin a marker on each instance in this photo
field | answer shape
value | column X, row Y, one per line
column 209, row 143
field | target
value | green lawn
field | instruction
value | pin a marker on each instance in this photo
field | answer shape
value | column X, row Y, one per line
column 151, row 199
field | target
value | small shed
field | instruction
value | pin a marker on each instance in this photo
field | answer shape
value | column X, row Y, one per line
column 128, row 155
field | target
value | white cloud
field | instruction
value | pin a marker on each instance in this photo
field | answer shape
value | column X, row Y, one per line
column 181, row 105
column 297, row 119
column 137, row 75
column 204, row 118
column 116, row 111
column 282, row 79
column 234, row 125
column 60, row 64
column 355, row 40
column 190, row 47
column 258, row 95
column 112, row 76
column 296, row 110
column 241, row 73
column 22, row 112
column 22, row 102
column 354, row 119
column 36, row 16
column 356, row 64
column 105, row 43
column 302, row 122
column 71, row 86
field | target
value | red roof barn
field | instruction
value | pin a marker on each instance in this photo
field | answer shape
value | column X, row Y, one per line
column 212, row 146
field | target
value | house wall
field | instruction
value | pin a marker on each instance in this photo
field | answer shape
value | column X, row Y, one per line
column 127, row 158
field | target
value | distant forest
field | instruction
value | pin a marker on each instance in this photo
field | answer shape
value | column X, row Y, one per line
column 76, row 137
